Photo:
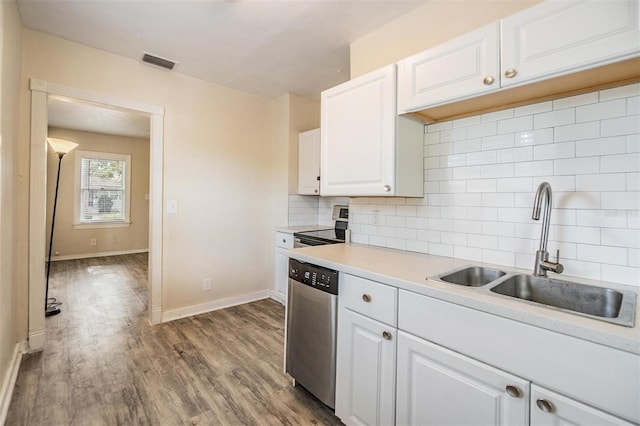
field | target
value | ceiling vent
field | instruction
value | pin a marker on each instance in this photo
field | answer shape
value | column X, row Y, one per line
column 158, row 61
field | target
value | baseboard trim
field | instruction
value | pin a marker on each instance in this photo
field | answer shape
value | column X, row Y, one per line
column 36, row 341
column 9, row 382
column 100, row 254
column 175, row 314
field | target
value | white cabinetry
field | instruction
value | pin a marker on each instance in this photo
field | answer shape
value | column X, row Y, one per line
column 439, row 387
column 309, row 162
column 559, row 37
column 366, row 149
column 281, row 267
column 551, row 39
column 366, row 359
column 466, row 66
column 550, row 408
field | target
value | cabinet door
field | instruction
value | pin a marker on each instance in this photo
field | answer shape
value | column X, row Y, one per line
column 281, row 276
column 439, row 387
column 558, row 37
column 466, row 66
column 550, row 408
column 309, row 162
column 357, row 145
column 365, row 370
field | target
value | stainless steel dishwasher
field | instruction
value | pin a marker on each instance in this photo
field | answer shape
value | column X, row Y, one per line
column 312, row 307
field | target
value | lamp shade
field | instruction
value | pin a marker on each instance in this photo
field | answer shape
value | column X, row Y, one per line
column 61, row 146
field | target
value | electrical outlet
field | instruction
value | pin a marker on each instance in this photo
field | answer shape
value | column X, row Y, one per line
column 206, row 284
column 375, row 217
column 93, row 242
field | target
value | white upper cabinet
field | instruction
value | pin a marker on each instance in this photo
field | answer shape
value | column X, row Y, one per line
column 560, row 37
column 555, row 39
column 309, row 162
column 466, row 66
column 365, row 149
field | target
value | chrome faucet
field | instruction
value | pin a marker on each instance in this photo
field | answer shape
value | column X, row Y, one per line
column 542, row 256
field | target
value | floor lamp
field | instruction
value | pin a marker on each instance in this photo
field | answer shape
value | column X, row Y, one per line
column 60, row 147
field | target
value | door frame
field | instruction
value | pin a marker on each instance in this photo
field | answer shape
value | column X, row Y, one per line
column 40, row 91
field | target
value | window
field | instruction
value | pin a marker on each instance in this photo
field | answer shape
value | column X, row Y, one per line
column 103, row 182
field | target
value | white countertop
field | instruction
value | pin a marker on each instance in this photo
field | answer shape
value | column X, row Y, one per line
column 302, row 228
column 409, row 271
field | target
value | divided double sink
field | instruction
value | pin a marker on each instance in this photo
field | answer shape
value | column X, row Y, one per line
column 602, row 303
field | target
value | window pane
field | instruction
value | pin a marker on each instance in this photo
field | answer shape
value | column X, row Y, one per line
column 102, row 186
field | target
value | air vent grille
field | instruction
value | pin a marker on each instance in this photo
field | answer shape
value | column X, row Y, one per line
column 159, row 62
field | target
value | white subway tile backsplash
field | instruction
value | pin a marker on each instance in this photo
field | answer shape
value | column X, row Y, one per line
column 554, row 118
column 576, row 166
column 554, row 151
column 604, row 146
column 620, row 92
column 620, row 163
column 515, row 155
column 633, row 143
column 534, row 137
column 518, row 124
column 574, row 101
column 601, row 182
column 621, row 126
column 481, row 173
column 534, row 168
column 573, row 132
column 621, row 200
column 482, row 130
column 481, row 157
column 601, row 111
column 533, row 109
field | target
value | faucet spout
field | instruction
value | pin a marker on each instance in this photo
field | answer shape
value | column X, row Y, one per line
column 542, row 264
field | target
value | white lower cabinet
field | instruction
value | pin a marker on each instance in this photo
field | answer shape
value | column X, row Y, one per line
column 438, row 387
column 281, row 267
column 550, row 408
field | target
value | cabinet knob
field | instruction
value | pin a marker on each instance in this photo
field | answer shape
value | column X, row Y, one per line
column 284, row 241
column 386, row 335
column 366, row 298
column 315, row 190
column 510, row 73
column 488, row 80
column 387, row 188
column 544, row 405
column 513, row 391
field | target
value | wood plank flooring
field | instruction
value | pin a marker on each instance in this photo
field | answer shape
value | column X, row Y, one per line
column 105, row 365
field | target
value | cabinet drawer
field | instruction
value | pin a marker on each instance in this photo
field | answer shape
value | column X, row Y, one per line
column 372, row 299
column 284, row 240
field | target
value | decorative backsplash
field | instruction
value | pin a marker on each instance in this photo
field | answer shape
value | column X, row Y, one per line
column 481, row 174
column 312, row 210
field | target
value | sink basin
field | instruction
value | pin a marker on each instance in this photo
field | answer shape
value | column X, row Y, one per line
column 471, row 276
column 606, row 304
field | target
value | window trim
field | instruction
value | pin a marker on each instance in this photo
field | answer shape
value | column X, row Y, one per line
column 123, row 223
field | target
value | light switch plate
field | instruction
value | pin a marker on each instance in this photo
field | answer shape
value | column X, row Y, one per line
column 172, row 206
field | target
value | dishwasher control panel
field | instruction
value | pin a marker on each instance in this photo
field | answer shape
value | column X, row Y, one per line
column 314, row 276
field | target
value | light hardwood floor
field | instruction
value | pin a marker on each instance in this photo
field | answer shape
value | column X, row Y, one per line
column 104, row 363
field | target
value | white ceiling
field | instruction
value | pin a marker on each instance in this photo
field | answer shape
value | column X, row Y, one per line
column 265, row 47
column 89, row 117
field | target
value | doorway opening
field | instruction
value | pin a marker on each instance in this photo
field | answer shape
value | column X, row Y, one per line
column 42, row 94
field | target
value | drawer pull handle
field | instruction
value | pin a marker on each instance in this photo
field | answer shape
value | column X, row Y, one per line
column 513, row 391
column 544, row 405
column 386, row 335
column 366, row 298
column 488, row 81
column 510, row 73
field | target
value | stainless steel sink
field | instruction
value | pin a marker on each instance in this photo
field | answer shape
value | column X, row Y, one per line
column 606, row 304
column 471, row 276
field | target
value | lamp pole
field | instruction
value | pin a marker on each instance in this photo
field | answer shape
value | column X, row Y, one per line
column 52, row 310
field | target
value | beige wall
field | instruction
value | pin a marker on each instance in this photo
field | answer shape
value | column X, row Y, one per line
column 218, row 165
column 68, row 241
column 10, row 59
column 427, row 26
